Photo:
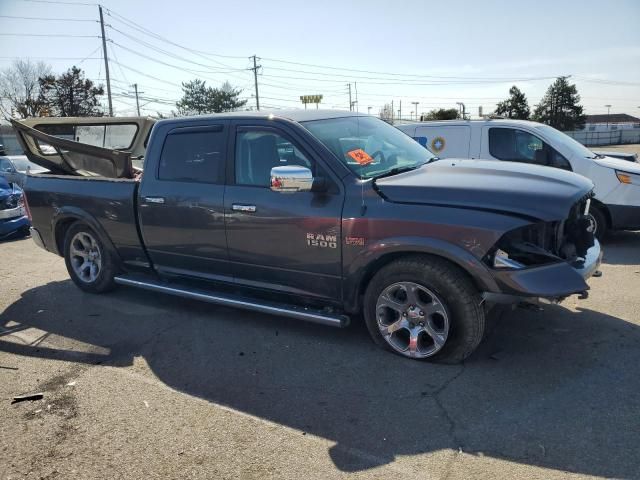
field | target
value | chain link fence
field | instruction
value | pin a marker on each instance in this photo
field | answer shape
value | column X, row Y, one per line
column 610, row 137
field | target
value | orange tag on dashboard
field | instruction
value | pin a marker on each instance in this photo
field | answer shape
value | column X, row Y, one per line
column 360, row 156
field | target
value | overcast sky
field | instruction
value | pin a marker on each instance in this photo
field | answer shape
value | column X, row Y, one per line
column 433, row 52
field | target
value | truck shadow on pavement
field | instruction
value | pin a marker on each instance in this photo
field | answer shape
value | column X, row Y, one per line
column 622, row 248
column 554, row 389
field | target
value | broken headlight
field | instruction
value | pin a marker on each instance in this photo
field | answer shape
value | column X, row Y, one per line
column 532, row 245
column 14, row 201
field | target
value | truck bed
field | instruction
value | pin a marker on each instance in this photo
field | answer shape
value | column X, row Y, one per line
column 107, row 204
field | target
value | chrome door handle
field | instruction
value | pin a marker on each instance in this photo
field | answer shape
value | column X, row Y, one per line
column 243, row 208
column 154, row 199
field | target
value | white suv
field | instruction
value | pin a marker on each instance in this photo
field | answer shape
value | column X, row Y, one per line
column 616, row 204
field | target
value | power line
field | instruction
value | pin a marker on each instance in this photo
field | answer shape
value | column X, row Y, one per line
column 164, row 52
column 55, row 58
column 182, row 69
column 441, row 77
column 47, row 35
column 150, row 33
column 172, row 55
column 418, row 83
column 145, row 74
column 418, row 77
column 49, row 19
column 606, row 82
column 89, row 56
column 62, row 3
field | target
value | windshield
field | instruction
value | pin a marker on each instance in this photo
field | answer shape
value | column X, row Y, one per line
column 369, row 146
column 557, row 136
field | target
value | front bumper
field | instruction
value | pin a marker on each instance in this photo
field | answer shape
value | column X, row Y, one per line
column 10, row 226
column 551, row 282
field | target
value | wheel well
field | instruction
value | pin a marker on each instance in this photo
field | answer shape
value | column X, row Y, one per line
column 62, row 227
column 605, row 211
column 384, row 260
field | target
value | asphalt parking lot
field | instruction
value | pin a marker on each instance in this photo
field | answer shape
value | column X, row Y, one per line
column 138, row 385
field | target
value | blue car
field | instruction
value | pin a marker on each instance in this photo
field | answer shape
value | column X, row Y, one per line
column 14, row 221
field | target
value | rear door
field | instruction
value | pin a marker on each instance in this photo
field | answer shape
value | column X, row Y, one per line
column 282, row 241
column 181, row 203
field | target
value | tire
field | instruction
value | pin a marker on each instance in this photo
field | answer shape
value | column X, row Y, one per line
column 90, row 265
column 24, row 232
column 448, row 323
column 600, row 222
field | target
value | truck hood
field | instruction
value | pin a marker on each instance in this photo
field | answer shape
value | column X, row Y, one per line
column 619, row 164
column 542, row 193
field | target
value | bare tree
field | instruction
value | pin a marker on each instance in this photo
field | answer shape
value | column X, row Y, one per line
column 386, row 113
column 20, row 88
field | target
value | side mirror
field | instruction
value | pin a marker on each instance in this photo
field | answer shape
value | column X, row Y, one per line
column 291, row 178
column 2, row 150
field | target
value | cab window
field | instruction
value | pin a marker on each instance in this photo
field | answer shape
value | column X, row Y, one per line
column 194, row 155
column 258, row 151
column 513, row 145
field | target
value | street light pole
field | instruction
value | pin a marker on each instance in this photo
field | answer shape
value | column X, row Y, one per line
column 608, row 110
column 416, row 104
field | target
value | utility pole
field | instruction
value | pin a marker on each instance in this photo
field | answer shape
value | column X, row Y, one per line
column 255, row 78
column 135, row 87
column 350, row 103
column 400, row 110
column 393, row 112
column 416, row 104
column 106, row 62
column 369, row 110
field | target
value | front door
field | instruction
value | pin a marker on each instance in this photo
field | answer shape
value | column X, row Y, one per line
column 284, row 241
column 181, row 209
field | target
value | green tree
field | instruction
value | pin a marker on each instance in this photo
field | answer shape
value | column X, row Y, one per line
column 441, row 114
column 71, row 95
column 516, row 106
column 560, row 107
column 198, row 98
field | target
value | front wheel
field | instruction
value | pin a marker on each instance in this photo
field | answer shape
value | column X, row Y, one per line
column 598, row 223
column 89, row 263
column 424, row 308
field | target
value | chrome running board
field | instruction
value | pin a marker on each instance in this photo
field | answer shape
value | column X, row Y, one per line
column 300, row 313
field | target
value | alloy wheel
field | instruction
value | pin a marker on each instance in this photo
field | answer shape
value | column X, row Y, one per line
column 412, row 319
column 85, row 256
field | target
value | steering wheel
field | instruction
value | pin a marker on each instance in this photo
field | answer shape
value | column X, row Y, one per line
column 383, row 159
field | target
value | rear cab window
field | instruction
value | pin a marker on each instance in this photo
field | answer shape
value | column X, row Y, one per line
column 194, row 154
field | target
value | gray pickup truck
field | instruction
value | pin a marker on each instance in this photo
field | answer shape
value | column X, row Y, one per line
column 316, row 215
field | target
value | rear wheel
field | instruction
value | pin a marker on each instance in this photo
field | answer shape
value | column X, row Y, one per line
column 89, row 263
column 424, row 308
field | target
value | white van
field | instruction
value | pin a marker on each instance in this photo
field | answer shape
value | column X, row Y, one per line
column 616, row 204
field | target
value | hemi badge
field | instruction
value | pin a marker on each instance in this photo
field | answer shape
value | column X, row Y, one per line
column 359, row 241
